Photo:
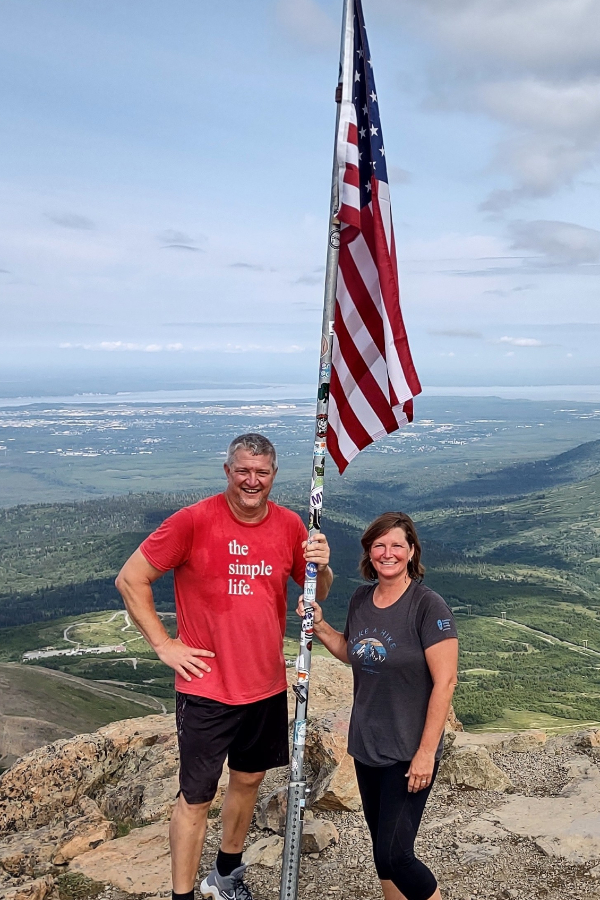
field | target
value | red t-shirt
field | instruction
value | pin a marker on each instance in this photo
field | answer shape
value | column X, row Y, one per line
column 231, row 593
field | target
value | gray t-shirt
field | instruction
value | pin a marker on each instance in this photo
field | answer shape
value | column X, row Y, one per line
column 392, row 683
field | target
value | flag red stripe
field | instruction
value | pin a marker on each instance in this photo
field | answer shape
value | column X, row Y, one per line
column 348, row 417
column 362, row 299
column 359, row 370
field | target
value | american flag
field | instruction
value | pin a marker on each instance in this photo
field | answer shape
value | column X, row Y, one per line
column 373, row 379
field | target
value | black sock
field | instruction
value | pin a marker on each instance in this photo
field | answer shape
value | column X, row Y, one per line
column 226, row 863
column 189, row 895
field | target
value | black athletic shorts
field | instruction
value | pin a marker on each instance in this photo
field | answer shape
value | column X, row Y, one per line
column 254, row 736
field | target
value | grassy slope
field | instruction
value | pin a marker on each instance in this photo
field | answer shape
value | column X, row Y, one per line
column 67, row 701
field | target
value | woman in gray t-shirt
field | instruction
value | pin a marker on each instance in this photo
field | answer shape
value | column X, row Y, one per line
column 401, row 641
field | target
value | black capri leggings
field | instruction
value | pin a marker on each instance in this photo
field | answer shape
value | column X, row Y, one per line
column 393, row 816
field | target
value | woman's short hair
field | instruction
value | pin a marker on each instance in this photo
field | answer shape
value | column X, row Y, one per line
column 377, row 529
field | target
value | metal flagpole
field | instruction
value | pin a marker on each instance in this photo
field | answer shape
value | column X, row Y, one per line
column 297, row 790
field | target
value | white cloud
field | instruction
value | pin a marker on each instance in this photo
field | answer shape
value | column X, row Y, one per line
column 555, row 107
column 520, row 342
column 540, row 34
column 532, row 65
column 558, row 242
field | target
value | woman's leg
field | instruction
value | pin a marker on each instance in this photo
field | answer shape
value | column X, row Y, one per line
column 390, row 891
column 394, row 831
column 399, row 819
column 369, row 784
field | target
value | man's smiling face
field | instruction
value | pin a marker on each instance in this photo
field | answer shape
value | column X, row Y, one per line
column 249, row 482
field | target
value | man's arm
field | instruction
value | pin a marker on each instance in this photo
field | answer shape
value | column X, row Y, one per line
column 316, row 550
column 134, row 583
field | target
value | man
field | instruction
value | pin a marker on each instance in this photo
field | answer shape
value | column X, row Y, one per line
column 232, row 555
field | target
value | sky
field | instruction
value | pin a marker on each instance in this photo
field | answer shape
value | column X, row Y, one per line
column 165, row 172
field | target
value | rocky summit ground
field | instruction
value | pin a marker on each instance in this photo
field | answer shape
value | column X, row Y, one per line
column 511, row 816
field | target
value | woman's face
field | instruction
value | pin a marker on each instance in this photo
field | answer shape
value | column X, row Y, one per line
column 390, row 554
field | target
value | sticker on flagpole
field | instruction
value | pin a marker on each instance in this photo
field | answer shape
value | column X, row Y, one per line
column 316, row 497
column 310, row 591
column 314, row 520
column 324, row 346
column 325, row 371
column 319, row 448
column 331, row 326
column 308, row 620
column 311, row 570
column 300, row 732
column 321, row 424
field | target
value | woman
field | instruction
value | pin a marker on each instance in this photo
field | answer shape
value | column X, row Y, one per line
column 400, row 639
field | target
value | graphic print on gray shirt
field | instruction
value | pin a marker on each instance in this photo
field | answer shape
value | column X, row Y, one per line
column 392, row 683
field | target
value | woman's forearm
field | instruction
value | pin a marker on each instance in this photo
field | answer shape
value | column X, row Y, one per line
column 437, row 714
column 332, row 639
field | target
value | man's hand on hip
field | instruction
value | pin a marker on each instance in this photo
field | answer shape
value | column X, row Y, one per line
column 186, row 661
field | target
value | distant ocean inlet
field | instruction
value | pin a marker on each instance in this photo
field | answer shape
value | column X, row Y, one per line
column 575, row 393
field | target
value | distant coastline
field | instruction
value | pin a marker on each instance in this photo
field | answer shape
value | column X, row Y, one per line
column 269, row 393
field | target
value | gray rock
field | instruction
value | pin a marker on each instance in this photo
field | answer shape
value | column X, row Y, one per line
column 589, row 738
column 566, row 826
column 442, row 823
column 265, row 852
column 38, row 889
column 472, row 767
column 525, row 742
column 334, row 786
column 318, row 834
column 271, row 811
column 481, row 828
column 476, row 854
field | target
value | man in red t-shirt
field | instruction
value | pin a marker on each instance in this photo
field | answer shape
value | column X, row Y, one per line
column 232, row 555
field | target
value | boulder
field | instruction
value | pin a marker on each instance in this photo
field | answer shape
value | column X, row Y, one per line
column 481, row 828
column 334, row 785
column 271, row 811
column 317, row 834
column 38, row 889
column 472, row 767
column 587, row 739
column 51, row 779
column 524, row 742
column 452, row 722
column 264, row 852
column 138, row 863
column 30, row 852
column 85, row 834
column 566, row 826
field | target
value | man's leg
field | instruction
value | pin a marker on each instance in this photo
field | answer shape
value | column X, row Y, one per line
column 186, row 835
column 238, row 807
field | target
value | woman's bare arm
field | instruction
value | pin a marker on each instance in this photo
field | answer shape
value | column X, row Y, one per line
column 329, row 637
column 442, row 661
